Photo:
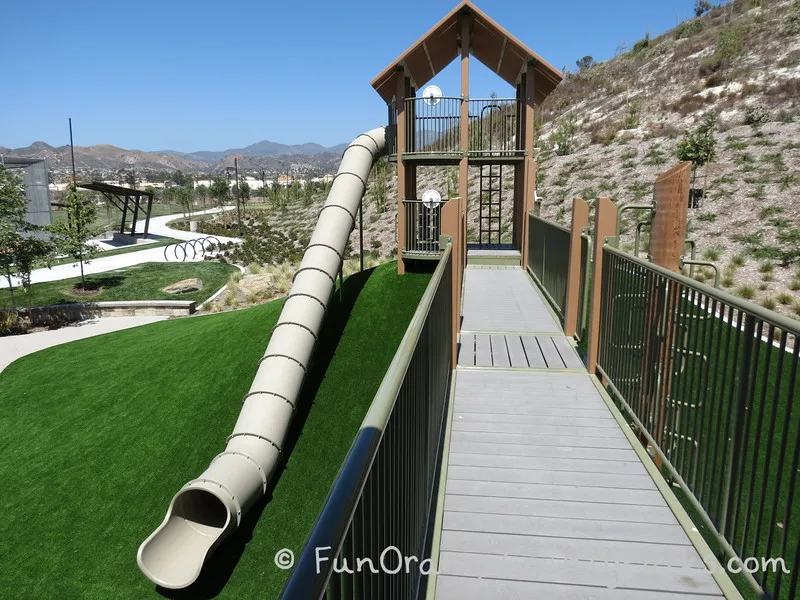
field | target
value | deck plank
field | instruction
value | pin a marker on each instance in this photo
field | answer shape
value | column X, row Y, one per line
column 483, row 351
column 550, row 353
column 533, row 352
column 504, row 300
column 500, row 356
column 580, row 573
column 466, row 350
column 567, row 352
column 544, row 494
column 516, row 352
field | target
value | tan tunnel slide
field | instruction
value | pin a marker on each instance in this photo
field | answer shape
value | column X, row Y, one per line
column 209, row 508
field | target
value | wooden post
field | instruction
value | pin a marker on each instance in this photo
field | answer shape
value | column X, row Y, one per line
column 605, row 224
column 452, row 221
column 580, row 220
column 400, row 104
column 668, row 230
column 529, row 177
column 463, row 165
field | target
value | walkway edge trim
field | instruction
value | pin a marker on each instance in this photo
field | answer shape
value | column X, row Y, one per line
column 726, row 585
column 438, row 523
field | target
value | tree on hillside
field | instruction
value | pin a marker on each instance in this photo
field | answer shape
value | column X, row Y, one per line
column 201, row 191
column 220, row 191
column 20, row 250
column 698, row 144
column 587, row 62
column 72, row 237
column 13, row 206
column 701, row 7
column 308, row 193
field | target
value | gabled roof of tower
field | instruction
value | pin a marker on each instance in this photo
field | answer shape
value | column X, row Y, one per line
column 491, row 44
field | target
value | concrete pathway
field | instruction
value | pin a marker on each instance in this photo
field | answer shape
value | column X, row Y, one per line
column 16, row 346
column 158, row 227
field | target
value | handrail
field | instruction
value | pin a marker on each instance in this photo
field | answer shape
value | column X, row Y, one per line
column 551, row 223
column 386, row 396
column 779, row 320
column 710, row 381
column 310, row 579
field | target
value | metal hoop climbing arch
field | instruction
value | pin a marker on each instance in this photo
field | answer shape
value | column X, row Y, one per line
column 202, row 246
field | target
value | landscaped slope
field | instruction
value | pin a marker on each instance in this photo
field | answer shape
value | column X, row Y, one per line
column 626, row 118
column 97, row 436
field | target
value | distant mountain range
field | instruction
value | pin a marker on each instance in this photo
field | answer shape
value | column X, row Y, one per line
column 260, row 149
column 267, row 155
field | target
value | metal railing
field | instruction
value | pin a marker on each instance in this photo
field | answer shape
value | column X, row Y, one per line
column 422, row 227
column 384, row 493
column 433, row 128
column 493, row 127
column 548, row 259
column 711, row 382
column 583, row 294
column 436, row 128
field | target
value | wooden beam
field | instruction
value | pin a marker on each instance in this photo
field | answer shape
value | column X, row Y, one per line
column 580, row 220
column 605, row 224
column 502, row 53
column 529, row 176
column 428, row 56
column 400, row 104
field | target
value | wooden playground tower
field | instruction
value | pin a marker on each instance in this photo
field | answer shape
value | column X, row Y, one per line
column 492, row 134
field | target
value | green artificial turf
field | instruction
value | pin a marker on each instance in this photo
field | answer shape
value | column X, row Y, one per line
column 96, row 436
column 139, row 282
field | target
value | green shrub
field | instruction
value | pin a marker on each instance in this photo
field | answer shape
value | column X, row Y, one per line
column 756, row 114
column 738, row 260
column 734, row 143
column 794, row 285
column 707, row 217
column 746, row 291
column 689, row 28
column 769, row 211
column 641, row 45
column 633, row 107
column 727, row 281
column 769, row 303
column 563, row 138
column 785, row 298
column 731, row 42
column 791, row 22
column 655, row 156
column 712, row 253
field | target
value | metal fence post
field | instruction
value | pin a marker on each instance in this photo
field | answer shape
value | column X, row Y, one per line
column 735, row 446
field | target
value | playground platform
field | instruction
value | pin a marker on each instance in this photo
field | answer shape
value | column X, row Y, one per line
column 546, row 491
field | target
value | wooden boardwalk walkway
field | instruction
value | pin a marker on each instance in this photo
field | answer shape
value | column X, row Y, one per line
column 545, row 496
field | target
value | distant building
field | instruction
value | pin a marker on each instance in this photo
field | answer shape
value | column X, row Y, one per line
column 34, row 179
column 285, row 180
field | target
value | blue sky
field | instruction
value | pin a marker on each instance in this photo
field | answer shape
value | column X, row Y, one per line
column 202, row 75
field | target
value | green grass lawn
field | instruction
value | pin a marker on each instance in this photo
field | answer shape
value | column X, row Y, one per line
column 160, row 243
column 139, row 282
column 94, row 446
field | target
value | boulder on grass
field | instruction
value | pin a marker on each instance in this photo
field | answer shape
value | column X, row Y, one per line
column 185, row 286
